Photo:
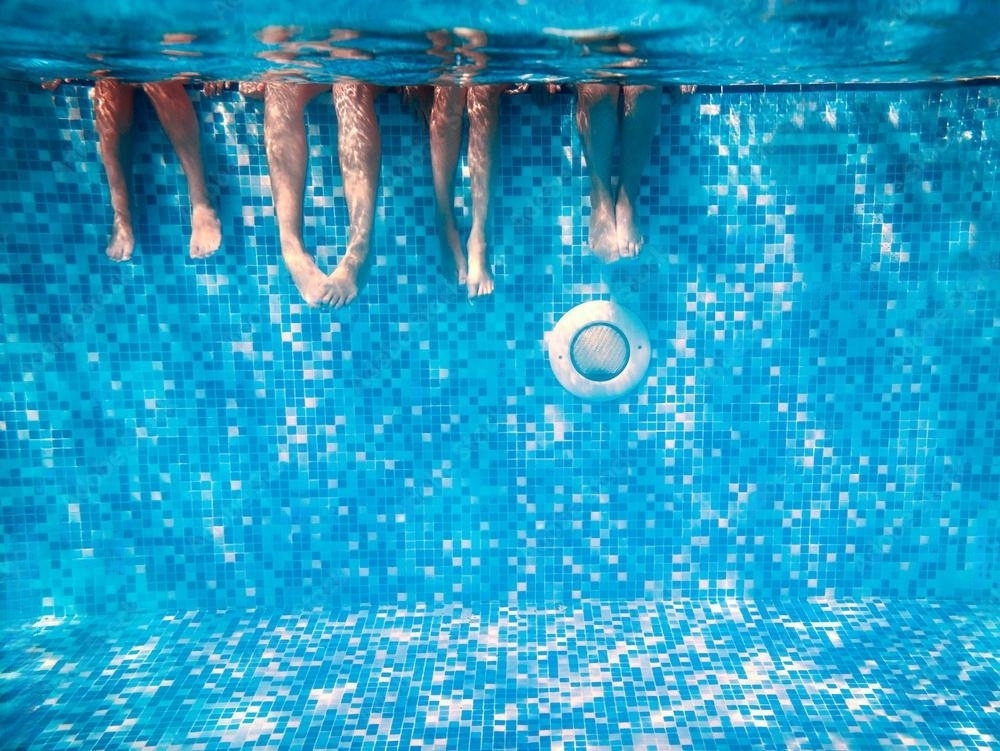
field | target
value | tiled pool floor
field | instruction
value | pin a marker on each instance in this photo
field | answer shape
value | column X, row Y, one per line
column 687, row 675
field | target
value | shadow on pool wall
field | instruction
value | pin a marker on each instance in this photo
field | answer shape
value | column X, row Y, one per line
column 819, row 419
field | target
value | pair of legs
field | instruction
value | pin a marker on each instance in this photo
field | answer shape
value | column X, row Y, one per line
column 360, row 152
column 113, row 103
column 469, row 265
column 610, row 115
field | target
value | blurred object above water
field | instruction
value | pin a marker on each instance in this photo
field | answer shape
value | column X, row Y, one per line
column 712, row 42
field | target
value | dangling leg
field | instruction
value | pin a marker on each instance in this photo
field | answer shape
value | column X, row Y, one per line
column 642, row 115
column 285, row 143
column 113, row 116
column 447, row 114
column 178, row 119
column 484, row 119
column 597, row 121
column 359, row 144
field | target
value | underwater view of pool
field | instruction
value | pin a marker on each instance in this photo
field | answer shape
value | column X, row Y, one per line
column 232, row 519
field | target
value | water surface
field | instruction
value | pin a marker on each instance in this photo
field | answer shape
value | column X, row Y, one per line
column 712, row 42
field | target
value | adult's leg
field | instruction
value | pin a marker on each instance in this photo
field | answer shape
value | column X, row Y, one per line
column 287, row 155
column 597, row 122
column 447, row 114
column 359, row 145
column 484, row 119
column 113, row 118
column 176, row 114
column 639, row 121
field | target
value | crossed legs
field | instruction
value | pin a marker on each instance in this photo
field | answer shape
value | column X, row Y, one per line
column 359, row 148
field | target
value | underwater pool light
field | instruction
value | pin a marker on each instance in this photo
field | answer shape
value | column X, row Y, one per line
column 599, row 350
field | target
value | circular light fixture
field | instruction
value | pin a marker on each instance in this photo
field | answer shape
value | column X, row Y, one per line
column 599, row 350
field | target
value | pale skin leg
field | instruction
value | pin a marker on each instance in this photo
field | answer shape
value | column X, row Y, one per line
column 597, row 122
column 446, row 140
column 287, row 156
column 113, row 115
column 483, row 103
column 640, row 118
column 359, row 145
column 176, row 115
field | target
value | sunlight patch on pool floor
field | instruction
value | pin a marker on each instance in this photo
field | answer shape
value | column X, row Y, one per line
column 674, row 675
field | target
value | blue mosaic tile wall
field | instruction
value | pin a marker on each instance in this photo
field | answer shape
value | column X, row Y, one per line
column 819, row 418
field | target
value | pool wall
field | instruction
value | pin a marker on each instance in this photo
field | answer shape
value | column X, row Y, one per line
column 819, row 419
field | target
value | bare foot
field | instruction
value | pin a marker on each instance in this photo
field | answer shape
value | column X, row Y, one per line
column 350, row 276
column 480, row 278
column 630, row 240
column 452, row 263
column 603, row 238
column 342, row 285
column 310, row 281
column 206, row 231
column 122, row 241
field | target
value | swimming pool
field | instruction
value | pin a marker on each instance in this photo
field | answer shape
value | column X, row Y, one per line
column 230, row 519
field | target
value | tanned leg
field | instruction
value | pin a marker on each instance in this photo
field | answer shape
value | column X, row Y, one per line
column 113, row 117
column 359, row 144
column 484, row 119
column 447, row 114
column 176, row 114
column 597, row 122
column 287, row 156
column 641, row 116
